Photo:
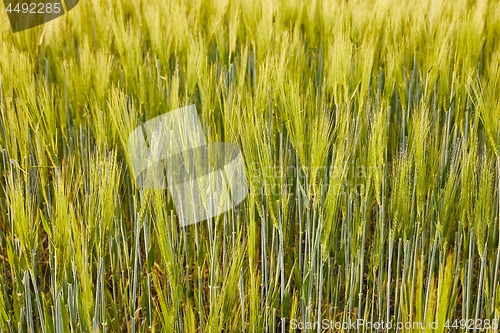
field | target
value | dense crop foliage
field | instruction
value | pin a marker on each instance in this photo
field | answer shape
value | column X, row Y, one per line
column 370, row 132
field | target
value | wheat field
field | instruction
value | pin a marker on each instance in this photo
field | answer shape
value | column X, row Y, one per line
column 370, row 132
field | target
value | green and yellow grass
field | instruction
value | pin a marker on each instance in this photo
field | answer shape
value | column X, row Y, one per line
column 370, row 132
